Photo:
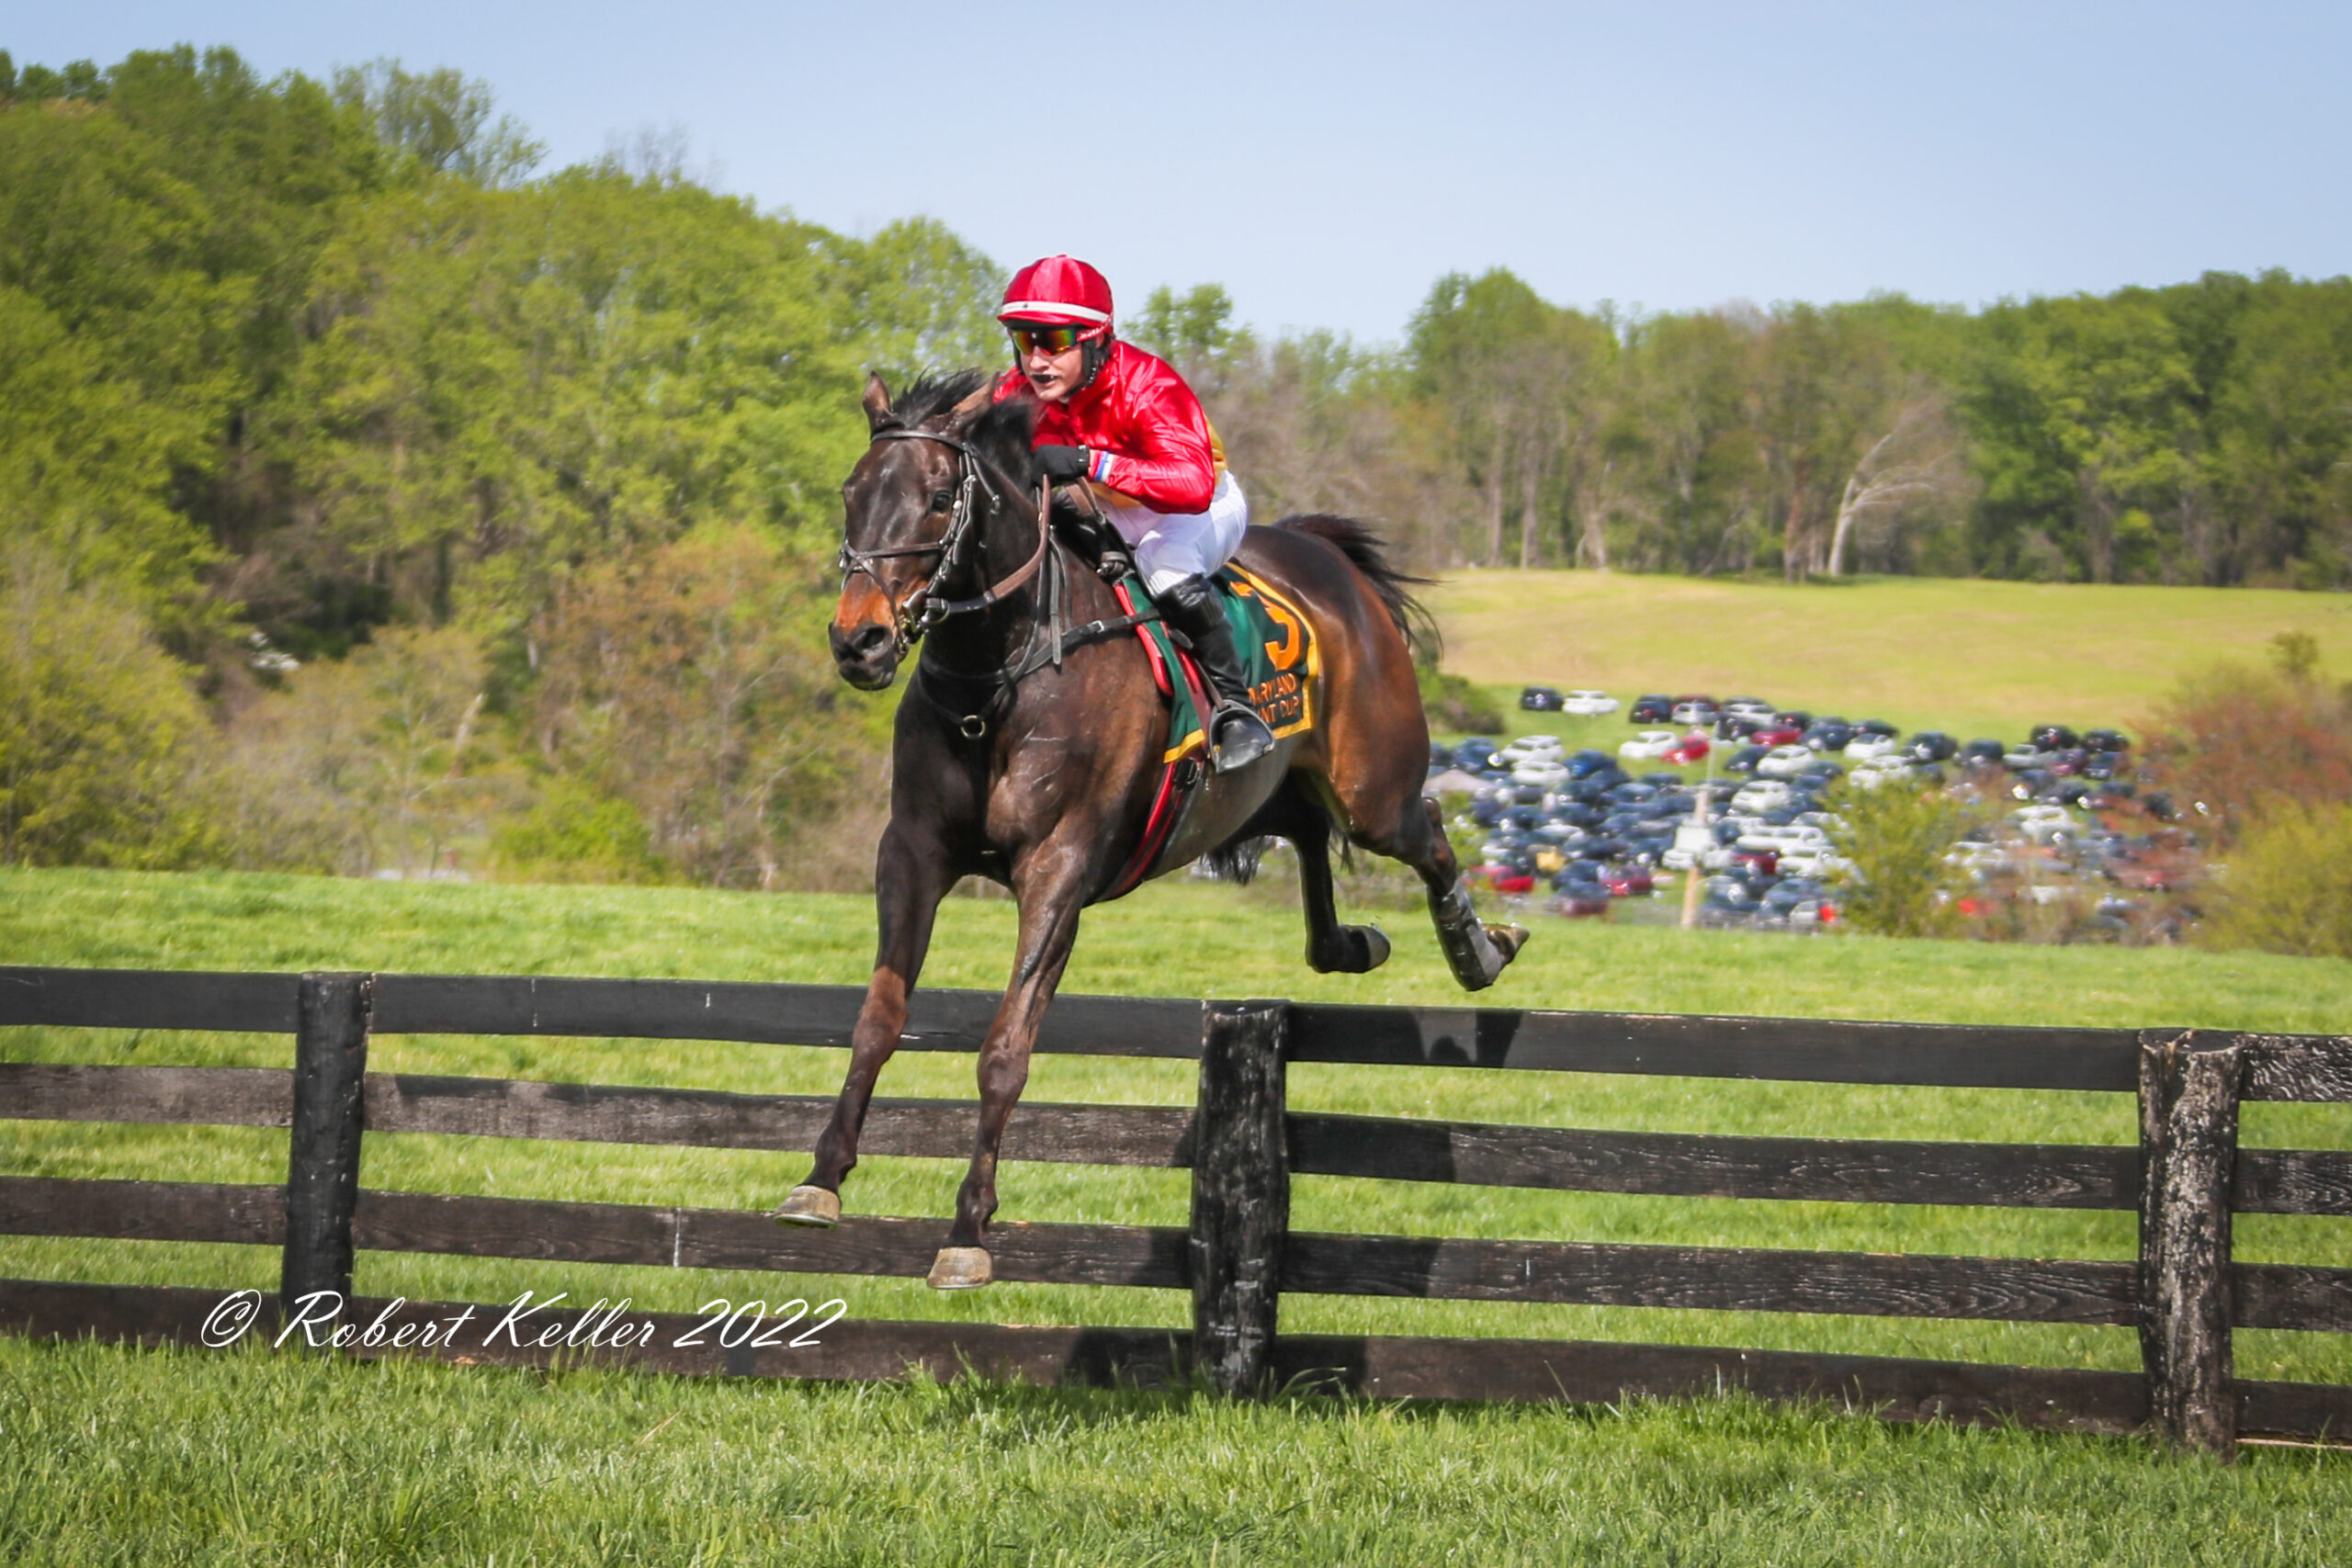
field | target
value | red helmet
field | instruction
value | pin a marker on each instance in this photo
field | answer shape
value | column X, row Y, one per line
column 1062, row 290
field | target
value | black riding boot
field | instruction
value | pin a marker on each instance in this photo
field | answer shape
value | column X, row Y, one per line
column 1237, row 735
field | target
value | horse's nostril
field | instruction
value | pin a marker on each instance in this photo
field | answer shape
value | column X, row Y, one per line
column 869, row 640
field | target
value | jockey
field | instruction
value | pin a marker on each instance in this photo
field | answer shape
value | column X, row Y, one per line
column 1124, row 421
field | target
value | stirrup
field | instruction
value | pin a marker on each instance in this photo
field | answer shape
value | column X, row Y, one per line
column 1238, row 737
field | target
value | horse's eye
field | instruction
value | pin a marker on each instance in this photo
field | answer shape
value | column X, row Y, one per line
column 941, row 500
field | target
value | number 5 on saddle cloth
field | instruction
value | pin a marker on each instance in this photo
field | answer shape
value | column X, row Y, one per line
column 1280, row 661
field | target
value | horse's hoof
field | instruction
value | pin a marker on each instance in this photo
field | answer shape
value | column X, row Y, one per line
column 1508, row 940
column 960, row 1268
column 1360, row 950
column 809, row 1206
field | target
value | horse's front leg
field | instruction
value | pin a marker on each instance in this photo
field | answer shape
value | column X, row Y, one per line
column 910, row 875
column 1052, row 885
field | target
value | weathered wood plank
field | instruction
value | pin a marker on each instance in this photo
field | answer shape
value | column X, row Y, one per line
column 1582, row 1371
column 324, row 1142
column 148, row 999
column 2311, row 1067
column 717, row 1238
column 2002, row 1175
column 1820, row 1049
column 767, row 1014
column 1893, row 1388
column 2292, row 1182
column 142, row 1211
column 221, row 1097
column 1240, row 1195
column 1714, row 1279
column 939, row 1129
column 2189, row 1133
column 2288, row 1295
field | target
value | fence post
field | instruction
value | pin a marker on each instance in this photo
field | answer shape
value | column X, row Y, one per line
column 1240, row 1191
column 322, row 1158
column 2188, row 1136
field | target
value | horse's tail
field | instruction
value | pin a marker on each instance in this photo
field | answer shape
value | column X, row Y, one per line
column 1369, row 556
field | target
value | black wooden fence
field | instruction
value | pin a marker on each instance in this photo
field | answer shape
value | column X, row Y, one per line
column 1239, row 1256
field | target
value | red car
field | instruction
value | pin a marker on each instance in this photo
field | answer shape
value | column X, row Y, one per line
column 1627, row 881
column 1503, row 878
column 1691, row 749
column 1776, row 734
column 1764, row 863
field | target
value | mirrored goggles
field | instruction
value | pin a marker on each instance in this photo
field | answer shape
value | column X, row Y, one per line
column 1028, row 341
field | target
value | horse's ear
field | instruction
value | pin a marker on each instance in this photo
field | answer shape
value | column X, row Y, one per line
column 877, row 403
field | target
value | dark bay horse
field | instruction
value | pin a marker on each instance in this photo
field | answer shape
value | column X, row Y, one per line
column 1029, row 753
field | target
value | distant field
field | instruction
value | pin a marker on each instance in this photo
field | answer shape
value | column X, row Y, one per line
column 1975, row 658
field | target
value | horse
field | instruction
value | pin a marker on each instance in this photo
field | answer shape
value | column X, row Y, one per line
column 1030, row 745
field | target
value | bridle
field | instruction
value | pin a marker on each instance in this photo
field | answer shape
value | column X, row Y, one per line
column 921, row 609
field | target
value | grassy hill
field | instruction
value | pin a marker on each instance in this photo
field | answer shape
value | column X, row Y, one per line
column 1975, row 658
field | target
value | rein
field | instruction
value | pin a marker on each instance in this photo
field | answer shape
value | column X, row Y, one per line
column 922, row 609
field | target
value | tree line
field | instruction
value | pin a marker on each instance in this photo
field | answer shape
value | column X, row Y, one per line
column 371, row 499
column 2200, row 434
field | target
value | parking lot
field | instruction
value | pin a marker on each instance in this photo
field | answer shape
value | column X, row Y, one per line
column 1665, row 807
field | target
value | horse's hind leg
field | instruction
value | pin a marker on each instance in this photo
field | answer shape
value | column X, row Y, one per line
column 1331, row 948
column 1391, row 818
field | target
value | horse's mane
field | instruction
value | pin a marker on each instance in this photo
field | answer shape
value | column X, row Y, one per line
column 931, row 394
column 1001, row 431
column 1366, row 550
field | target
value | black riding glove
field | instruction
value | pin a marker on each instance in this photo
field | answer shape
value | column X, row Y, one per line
column 1064, row 465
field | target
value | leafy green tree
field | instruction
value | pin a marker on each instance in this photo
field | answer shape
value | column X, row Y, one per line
column 1897, row 836
column 441, row 122
column 104, row 752
column 2288, row 885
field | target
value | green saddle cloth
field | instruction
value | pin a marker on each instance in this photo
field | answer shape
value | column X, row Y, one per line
column 1278, row 657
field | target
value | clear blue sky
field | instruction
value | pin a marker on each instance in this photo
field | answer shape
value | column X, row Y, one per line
column 1326, row 163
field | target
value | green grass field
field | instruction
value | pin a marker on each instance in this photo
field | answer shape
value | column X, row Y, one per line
column 798, row 1474
column 1974, row 658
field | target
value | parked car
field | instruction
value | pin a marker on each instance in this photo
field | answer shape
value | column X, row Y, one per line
column 1982, row 754
column 1755, row 708
column 1761, row 794
column 1793, row 718
column 1533, row 749
column 1542, row 699
column 1539, row 773
column 1744, row 760
column 1776, row 733
column 1876, row 726
column 1627, row 881
column 1784, row 761
column 2054, row 737
column 2108, row 740
column 1869, row 744
column 1691, row 748
column 1589, row 704
column 1475, row 755
column 1649, row 745
column 1651, row 707
column 1930, row 746
column 1829, row 735
column 1693, row 710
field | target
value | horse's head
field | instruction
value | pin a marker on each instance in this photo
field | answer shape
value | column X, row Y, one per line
column 916, row 508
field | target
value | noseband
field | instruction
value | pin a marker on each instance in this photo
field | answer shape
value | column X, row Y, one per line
column 922, row 609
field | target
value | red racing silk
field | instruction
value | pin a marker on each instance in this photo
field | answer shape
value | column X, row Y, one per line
column 1149, row 439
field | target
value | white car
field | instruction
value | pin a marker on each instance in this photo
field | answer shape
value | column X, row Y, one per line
column 1813, row 860
column 1650, row 745
column 2023, row 755
column 1762, row 712
column 1540, row 771
column 1693, row 713
column 2041, row 822
column 1761, row 794
column 1589, row 704
column 1784, row 761
column 1876, row 770
column 1867, row 745
column 1533, row 749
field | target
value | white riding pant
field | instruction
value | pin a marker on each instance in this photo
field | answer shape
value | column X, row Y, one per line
column 1173, row 546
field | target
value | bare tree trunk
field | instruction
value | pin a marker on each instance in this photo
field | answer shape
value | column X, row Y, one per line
column 1592, row 538
column 1792, row 564
column 1531, row 477
column 1495, row 502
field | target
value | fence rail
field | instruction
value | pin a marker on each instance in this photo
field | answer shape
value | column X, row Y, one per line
column 1237, row 1257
